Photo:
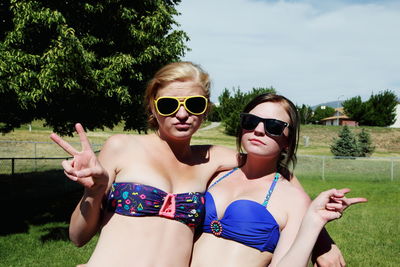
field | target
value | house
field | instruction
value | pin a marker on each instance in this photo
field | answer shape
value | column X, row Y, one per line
column 339, row 118
column 396, row 124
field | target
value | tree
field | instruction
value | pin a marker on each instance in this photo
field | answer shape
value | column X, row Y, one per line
column 322, row 112
column 364, row 143
column 231, row 106
column 346, row 144
column 213, row 115
column 83, row 61
column 355, row 109
column 381, row 109
column 378, row 110
column 305, row 113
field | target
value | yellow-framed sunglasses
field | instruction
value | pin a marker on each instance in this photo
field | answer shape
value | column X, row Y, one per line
column 168, row 105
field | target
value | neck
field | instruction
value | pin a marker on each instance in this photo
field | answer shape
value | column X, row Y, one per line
column 257, row 167
column 179, row 147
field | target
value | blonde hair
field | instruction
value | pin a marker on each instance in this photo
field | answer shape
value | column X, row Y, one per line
column 177, row 71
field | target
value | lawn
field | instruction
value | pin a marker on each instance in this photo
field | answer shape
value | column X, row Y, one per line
column 36, row 205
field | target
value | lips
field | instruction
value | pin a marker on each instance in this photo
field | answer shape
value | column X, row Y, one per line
column 182, row 126
column 256, row 141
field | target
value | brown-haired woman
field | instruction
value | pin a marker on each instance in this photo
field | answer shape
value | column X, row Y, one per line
column 253, row 213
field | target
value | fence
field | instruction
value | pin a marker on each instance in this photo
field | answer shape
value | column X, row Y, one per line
column 24, row 157
column 348, row 168
column 28, row 156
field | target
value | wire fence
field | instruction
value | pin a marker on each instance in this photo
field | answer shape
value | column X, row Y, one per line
column 25, row 157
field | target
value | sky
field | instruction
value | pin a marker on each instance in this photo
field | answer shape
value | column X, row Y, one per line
column 311, row 51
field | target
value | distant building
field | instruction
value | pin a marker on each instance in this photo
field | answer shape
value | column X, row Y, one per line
column 339, row 118
column 396, row 124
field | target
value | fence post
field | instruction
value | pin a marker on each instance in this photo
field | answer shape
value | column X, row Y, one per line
column 12, row 166
column 35, row 156
column 323, row 168
column 391, row 171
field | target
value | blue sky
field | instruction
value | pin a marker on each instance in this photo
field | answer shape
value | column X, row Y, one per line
column 311, row 51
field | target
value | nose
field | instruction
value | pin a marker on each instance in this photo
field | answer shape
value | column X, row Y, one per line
column 259, row 130
column 182, row 114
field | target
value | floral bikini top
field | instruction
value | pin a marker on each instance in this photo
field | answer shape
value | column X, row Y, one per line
column 133, row 199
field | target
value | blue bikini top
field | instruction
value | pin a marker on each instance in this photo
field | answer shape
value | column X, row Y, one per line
column 245, row 221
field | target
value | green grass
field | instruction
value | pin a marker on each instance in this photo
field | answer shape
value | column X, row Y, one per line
column 368, row 233
column 386, row 140
column 38, row 202
column 38, row 205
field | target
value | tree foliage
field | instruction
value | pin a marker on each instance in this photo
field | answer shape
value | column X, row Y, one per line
column 213, row 115
column 322, row 112
column 349, row 145
column 82, row 61
column 346, row 144
column 306, row 114
column 231, row 105
column 365, row 147
column 378, row 110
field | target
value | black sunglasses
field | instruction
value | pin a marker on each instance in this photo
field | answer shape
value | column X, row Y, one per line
column 271, row 126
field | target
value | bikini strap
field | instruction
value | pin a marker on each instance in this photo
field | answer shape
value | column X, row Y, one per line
column 271, row 189
column 220, row 179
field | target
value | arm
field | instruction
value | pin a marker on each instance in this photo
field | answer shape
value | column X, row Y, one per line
column 325, row 252
column 297, row 202
column 329, row 205
column 86, row 169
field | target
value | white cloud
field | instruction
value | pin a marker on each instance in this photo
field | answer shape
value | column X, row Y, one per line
column 310, row 53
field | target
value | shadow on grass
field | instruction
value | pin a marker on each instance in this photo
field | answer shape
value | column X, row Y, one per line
column 58, row 233
column 37, row 198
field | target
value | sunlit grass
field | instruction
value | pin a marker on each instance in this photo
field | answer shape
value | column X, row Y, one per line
column 367, row 234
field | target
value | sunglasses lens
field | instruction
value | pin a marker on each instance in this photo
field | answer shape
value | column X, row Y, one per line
column 196, row 105
column 271, row 126
column 249, row 122
column 274, row 127
column 167, row 105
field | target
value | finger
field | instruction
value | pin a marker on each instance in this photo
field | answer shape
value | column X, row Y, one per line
column 334, row 206
column 73, row 178
column 344, row 190
column 354, row 200
column 67, row 165
column 88, row 172
column 63, row 144
column 82, row 136
column 339, row 193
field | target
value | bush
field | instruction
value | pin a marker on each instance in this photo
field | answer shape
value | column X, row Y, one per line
column 365, row 147
column 348, row 145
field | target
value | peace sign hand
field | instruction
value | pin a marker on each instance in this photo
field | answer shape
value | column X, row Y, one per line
column 84, row 168
column 329, row 205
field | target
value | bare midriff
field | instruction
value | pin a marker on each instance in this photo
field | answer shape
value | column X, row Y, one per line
column 143, row 241
column 211, row 251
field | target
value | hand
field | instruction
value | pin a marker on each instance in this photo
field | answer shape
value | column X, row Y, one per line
column 84, row 168
column 329, row 205
column 331, row 258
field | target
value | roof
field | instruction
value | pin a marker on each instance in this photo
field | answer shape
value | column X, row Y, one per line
column 344, row 117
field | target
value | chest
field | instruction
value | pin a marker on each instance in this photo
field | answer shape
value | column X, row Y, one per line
column 160, row 168
column 248, row 202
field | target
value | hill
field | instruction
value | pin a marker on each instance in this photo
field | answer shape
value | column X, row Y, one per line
column 386, row 140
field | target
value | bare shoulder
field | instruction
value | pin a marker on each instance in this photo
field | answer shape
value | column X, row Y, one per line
column 295, row 196
column 120, row 142
column 226, row 158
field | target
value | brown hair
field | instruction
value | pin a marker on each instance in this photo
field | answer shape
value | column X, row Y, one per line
column 177, row 71
column 288, row 156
